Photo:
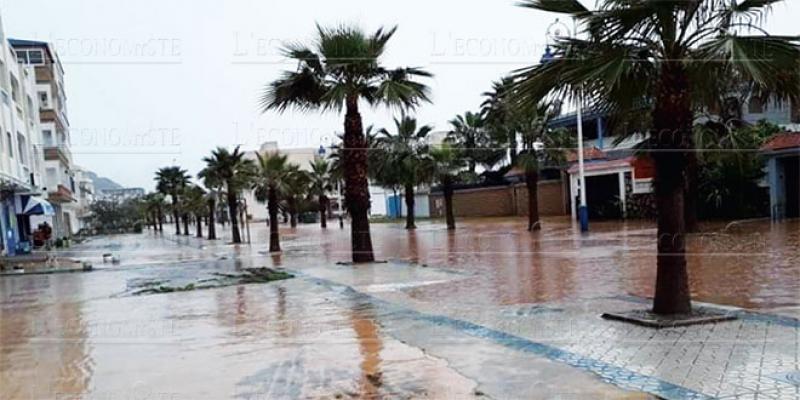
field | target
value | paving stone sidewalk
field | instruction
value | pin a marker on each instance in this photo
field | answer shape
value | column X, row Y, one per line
column 753, row 357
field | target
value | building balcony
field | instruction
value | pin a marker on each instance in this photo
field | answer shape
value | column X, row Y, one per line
column 58, row 153
column 62, row 194
column 52, row 115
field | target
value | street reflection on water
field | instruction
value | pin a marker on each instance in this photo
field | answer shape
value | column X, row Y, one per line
column 85, row 335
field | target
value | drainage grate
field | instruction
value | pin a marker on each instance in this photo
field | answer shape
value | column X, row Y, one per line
column 791, row 377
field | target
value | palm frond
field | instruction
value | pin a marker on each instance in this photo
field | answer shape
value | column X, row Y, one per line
column 573, row 7
column 397, row 89
column 771, row 62
column 302, row 90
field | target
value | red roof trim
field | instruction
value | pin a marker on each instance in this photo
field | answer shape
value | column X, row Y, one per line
column 782, row 141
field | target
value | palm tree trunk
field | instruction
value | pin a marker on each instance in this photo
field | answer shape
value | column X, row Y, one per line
column 356, row 183
column 532, row 184
column 448, row 205
column 232, row 210
column 175, row 213
column 293, row 213
column 690, row 194
column 160, row 220
column 274, row 233
column 186, row 224
column 242, row 220
column 672, row 123
column 410, row 222
column 212, row 229
column 199, row 227
column 323, row 211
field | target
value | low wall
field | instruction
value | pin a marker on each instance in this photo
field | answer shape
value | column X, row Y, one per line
column 502, row 201
column 552, row 199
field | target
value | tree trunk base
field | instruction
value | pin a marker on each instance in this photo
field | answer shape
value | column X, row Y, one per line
column 649, row 319
column 361, row 238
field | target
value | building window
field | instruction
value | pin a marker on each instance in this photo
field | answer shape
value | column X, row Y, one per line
column 51, row 176
column 44, row 100
column 47, row 136
column 30, row 56
column 756, row 105
column 21, row 148
column 10, row 144
column 14, row 89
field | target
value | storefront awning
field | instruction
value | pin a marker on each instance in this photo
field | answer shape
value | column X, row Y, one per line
column 37, row 206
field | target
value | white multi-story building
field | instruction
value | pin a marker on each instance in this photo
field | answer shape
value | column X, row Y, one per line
column 59, row 176
column 303, row 157
column 21, row 156
column 121, row 195
column 300, row 157
column 86, row 196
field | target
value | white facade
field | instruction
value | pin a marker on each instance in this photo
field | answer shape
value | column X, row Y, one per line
column 21, row 155
column 86, row 196
column 303, row 158
column 58, row 176
column 121, row 195
column 300, row 157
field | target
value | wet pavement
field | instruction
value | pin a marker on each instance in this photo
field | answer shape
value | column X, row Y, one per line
column 490, row 311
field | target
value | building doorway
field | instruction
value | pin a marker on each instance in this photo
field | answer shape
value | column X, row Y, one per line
column 603, row 197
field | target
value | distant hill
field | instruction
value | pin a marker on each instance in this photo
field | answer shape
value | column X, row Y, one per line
column 101, row 183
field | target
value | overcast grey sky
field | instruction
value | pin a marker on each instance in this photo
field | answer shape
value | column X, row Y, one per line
column 152, row 82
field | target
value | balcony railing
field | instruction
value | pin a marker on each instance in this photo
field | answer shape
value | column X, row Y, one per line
column 56, row 153
column 62, row 194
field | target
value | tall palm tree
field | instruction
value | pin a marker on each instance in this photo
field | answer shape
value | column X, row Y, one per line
column 341, row 69
column 154, row 204
column 183, row 208
column 443, row 165
column 665, row 56
column 297, row 183
column 170, row 181
column 405, row 150
column 235, row 172
column 531, row 125
column 213, row 184
column 195, row 206
column 270, row 183
column 498, row 115
column 321, row 185
column 470, row 137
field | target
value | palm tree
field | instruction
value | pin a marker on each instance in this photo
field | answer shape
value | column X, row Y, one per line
column 296, row 187
column 183, row 208
column 470, row 136
column 194, row 204
column 270, row 182
column 153, row 204
column 498, row 115
column 444, row 165
column 665, row 56
column 321, row 184
column 507, row 119
column 341, row 69
column 213, row 184
column 405, row 151
column 170, row 181
column 235, row 173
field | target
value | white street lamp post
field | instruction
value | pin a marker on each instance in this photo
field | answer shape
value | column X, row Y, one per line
column 583, row 211
column 555, row 30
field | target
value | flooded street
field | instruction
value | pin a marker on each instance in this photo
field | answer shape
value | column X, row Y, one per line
column 490, row 311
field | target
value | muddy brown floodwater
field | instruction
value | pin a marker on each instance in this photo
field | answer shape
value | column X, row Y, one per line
column 753, row 264
column 88, row 336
